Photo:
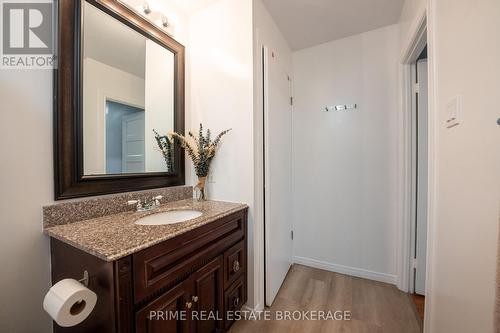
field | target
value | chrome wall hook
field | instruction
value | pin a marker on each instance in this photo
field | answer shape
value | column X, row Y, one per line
column 341, row 107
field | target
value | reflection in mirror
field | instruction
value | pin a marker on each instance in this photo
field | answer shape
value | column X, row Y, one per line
column 128, row 92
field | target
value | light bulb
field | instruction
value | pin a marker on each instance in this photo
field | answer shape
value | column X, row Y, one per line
column 146, row 8
column 164, row 21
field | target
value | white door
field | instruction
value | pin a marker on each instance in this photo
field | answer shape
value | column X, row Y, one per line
column 277, row 178
column 422, row 169
column 133, row 143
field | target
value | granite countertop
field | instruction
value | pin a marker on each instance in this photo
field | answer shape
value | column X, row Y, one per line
column 112, row 237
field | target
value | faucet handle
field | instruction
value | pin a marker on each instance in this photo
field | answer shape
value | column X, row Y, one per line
column 157, row 199
column 132, row 202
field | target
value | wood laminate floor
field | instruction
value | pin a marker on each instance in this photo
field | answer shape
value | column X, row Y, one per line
column 419, row 301
column 375, row 307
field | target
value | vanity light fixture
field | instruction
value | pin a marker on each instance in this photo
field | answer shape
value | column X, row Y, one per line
column 150, row 10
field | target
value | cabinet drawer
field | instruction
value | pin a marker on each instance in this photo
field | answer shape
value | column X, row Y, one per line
column 234, row 298
column 167, row 263
column 159, row 315
column 234, row 263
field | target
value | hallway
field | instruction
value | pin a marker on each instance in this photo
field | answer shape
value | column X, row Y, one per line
column 375, row 306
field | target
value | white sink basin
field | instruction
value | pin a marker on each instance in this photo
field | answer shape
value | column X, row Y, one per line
column 170, row 217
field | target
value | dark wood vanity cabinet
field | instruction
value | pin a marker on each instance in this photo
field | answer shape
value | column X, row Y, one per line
column 184, row 284
column 173, row 301
column 200, row 294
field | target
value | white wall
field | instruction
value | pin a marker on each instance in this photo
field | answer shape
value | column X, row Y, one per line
column 159, row 101
column 26, row 184
column 265, row 33
column 344, row 183
column 103, row 82
column 221, row 97
column 462, row 271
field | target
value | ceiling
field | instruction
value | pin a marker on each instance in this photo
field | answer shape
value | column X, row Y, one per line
column 306, row 23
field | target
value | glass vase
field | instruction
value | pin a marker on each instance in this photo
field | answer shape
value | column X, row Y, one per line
column 200, row 189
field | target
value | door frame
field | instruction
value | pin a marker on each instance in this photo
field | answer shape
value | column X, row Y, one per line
column 421, row 32
column 414, row 152
column 265, row 165
column 257, row 240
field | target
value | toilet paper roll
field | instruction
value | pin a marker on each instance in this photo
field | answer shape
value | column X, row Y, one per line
column 69, row 302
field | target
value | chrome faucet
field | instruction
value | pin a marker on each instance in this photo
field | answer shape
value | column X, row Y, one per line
column 144, row 206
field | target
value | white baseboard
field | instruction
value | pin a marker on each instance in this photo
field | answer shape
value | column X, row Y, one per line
column 352, row 271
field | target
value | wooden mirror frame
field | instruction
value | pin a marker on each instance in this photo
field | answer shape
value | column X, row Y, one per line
column 70, row 181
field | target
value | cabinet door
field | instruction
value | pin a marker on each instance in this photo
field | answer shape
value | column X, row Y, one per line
column 208, row 297
column 169, row 313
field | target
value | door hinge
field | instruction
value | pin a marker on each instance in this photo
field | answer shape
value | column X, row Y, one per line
column 291, row 101
column 416, row 88
column 414, row 263
column 291, row 234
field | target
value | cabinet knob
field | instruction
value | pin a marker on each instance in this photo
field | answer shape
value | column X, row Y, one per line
column 236, row 266
column 189, row 305
column 195, row 298
column 236, row 302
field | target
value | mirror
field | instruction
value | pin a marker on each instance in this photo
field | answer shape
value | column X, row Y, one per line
column 119, row 81
column 128, row 94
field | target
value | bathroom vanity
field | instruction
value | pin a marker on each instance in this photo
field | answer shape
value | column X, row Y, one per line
column 145, row 276
column 119, row 89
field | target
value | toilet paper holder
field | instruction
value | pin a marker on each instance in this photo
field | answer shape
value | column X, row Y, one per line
column 85, row 280
column 69, row 301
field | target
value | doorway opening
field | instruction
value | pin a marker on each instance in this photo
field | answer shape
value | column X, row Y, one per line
column 125, row 138
column 417, row 172
column 420, row 167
